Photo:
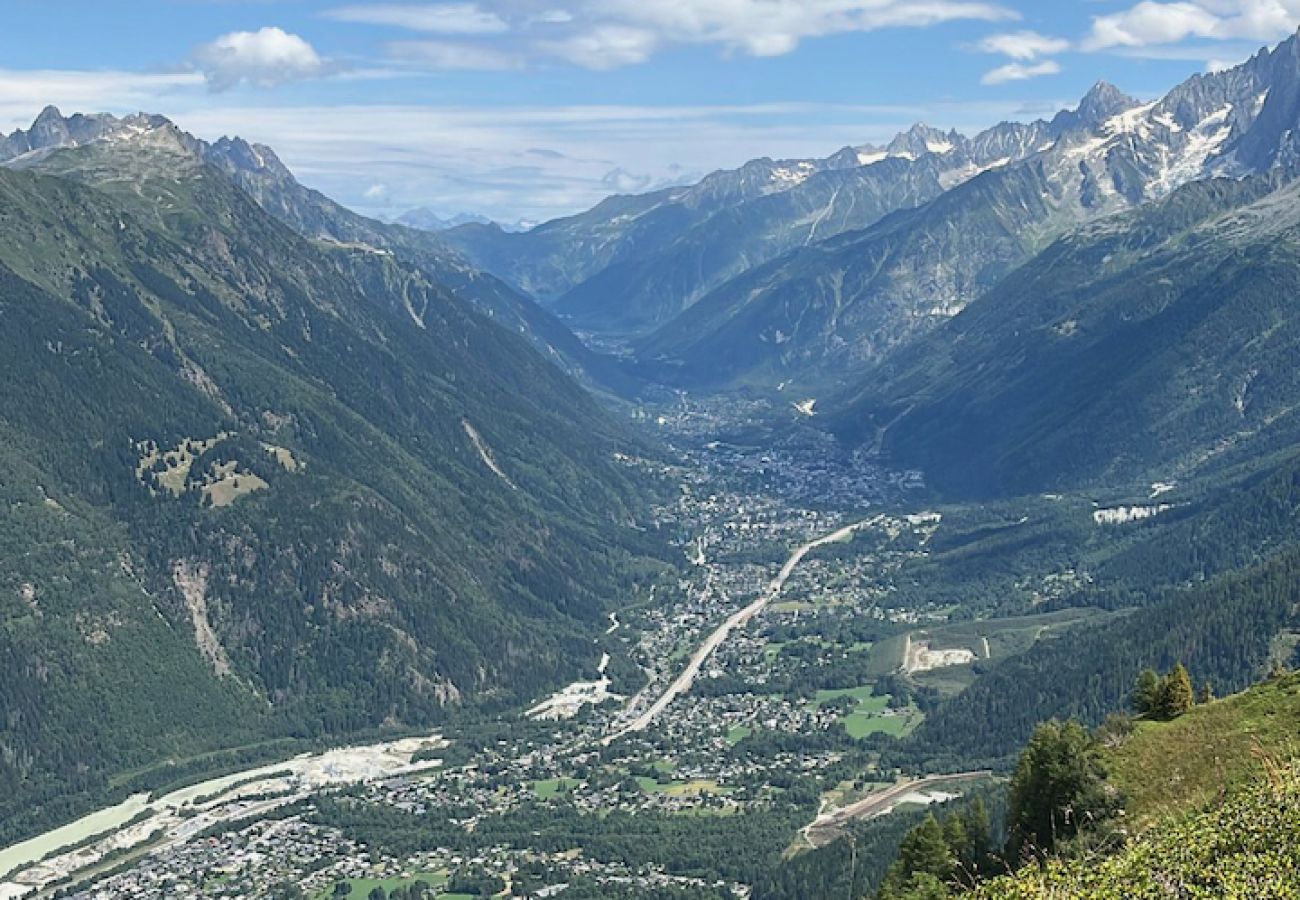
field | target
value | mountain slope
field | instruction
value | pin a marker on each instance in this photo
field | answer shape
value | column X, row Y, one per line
column 648, row 290
column 830, row 306
column 1217, row 590
column 554, row 257
column 331, row 496
column 809, row 205
column 257, row 170
column 843, row 304
column 1150, row 347
column 633, row 263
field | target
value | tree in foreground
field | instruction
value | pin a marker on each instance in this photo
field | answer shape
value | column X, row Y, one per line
column 924, row 860
column 1059, row 787
column 937, row 858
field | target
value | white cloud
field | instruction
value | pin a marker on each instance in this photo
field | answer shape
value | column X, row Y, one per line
column 1020, row 72
column 606, row 34
column 264, row 58
column 436, row 18
column 554, row 17
column 1155, row 23
column 621, row 181
column 454, row 57
column 775, row 27
column 605, row 47
column 1023, row 45
column 376, row 193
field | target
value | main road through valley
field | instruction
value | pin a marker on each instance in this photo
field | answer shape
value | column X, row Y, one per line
column 683, row 682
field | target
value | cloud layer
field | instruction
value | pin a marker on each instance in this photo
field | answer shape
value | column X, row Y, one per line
column 1023, row 48
column 607, row 34
column 1151, row 23
column 437, row 18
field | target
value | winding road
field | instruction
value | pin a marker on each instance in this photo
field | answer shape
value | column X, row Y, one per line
column 683, row 682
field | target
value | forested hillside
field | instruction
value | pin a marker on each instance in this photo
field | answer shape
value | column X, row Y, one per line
column 259, row 487
column 1154, row 346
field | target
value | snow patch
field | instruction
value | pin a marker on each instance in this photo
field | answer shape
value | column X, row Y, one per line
column 1203, row 141
column 787, row 177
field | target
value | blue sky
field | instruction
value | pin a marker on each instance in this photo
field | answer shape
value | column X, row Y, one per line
column 535, row 108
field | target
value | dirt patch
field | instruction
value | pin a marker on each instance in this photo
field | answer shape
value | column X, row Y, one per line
column 191, row 580
column 485, row 453
column 918, row 657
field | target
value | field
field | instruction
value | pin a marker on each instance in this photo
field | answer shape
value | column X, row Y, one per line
column 552, row 787
column 872, row 714
column 695, row 788
column 361, row 887
column 738, row 733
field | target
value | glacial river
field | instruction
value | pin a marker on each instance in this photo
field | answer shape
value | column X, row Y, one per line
column 38, row 862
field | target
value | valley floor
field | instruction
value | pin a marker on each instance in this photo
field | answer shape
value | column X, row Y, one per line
column 733, row 714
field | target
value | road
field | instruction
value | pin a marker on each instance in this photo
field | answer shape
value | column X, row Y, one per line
column 825, row 827
column 683, row 682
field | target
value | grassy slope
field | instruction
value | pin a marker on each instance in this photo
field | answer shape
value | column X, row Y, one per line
column 1215, row 799
column 1246, row 848
column 1169, row 767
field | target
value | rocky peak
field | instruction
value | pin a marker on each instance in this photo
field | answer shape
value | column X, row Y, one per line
column 1103, row 102
column 53, row 131
column 846, row 158
column 240, row 155
column 921, row 139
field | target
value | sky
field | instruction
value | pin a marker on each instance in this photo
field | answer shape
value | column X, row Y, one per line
column 532, row 109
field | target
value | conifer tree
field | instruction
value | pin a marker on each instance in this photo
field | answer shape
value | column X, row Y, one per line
column 1057, row 789
column 924, row 856
column 1176, row 694
column 954, row 832
column 1146, row 692
column 979, row 832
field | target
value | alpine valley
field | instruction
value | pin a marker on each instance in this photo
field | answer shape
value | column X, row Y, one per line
column 917, row 521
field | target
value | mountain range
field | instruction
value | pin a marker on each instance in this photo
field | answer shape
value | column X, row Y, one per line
column 426, row 219
column 808, row 272
column 259, row 172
